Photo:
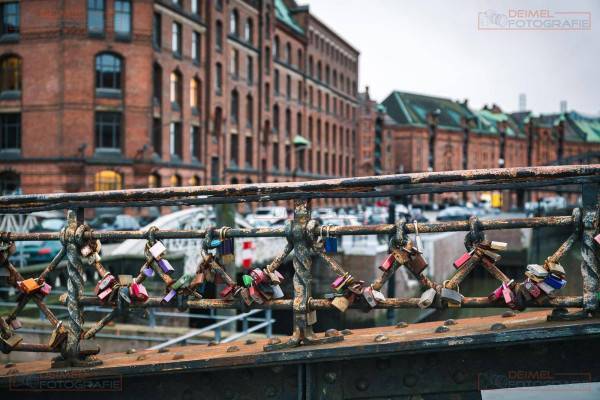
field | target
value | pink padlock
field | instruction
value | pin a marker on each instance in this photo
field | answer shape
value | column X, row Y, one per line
column 103, row 296
column 45, row 289
column 597, row 238
column 462, row 260
column 338, row 281
column 496, row 294
column 138, row 292
column 387, row 264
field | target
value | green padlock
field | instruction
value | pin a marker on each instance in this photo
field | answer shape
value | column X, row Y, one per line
column 247, row 279
column 183, row 282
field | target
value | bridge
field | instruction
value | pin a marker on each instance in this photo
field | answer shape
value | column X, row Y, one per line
column 557, row 344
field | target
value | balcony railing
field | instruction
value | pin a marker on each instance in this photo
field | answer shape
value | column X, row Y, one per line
column 307, row 241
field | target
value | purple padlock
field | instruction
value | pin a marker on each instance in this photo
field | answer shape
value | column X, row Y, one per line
column 165, row 265
column 169, row 296
column 149, row 272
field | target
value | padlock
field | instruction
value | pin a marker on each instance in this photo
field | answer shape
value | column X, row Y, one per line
column 555, row 282
column 495, row 257
column 58, row 335
column 340, row 281
column 108, row 281
column 247, row 280
column 15, row 324
column 416, row 262
column 88, row 348
column 124, row 294
column 165, row 265
column 245, row 294
column 256, row 296
column 499, row 246
column 331, row 245
column 496, row 294
column 532, row 289
column 378, row 295
column 545, row 287
column 258, row 276
column 45, row 289
column 12, row 341
column 277, row 292
column 138, row 292
column 226, row 250
column 157, row 250
column 387, row 263
column 215, row 243
column 125, row 280
column 265, row 290
column 427, row 298
column 275, row 277
column 183, row 282
column 462, row 260
column 29, row 286
column 451, row 296
column 169, row 296
column 105, row 294
column 597, row 238
column 557, row 269
column 227, row 291
column 537, row 270
column 148, row 272
column 534, row 278
column 341, row 303
column 311, row 317
column 418, row 241
column 356, row 287
column 368, row 296
column 86, row 250
column 508, row 295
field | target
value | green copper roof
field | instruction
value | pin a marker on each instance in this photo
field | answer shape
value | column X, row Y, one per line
column 301, row 141
column 284, row 15
column 587, row 127
column 512, row 128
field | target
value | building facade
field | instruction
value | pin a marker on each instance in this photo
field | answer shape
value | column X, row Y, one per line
column 108, row 94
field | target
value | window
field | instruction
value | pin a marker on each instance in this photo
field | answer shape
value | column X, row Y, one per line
column 267, row 96
column 195, row 8
column 176, row 38
column 108, row 180
column 288, row 157
column 123, row 18
column 268, row 22
column 248, row 31
column 299, row 58
column 310, row 96
column 219, row 5
column 157, row 31
column 249, row 152
column 196, row 47
column 176, row 89
column 276, row 118
column 108, row 130
column 288, row 87
column 108, row 72
column 157, row 84
column 267, row 61
column 275, row 155
column 235, row 149
column 219, row 78
column 95, row 16
column 235, row 107
column 176, row 180
column 249, row 111
column 10, row 74
column 219, row 36
column 299, row 92
column 327, row 74
column 249, row 70
column 233, row 23
column 10, row 131
column 157, row 136
column 319, row 70
column 154, row 180
column 276, row 82
column 288, row 122
column 299, row 123
column 234, row 63
column 194, row 180
column 175, row 139
column 195, row 95
column 10, row 183
column 288, row 53
column 195, row 143
column 276, row 47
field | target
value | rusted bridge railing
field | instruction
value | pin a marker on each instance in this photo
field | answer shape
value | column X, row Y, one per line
column 306, row 242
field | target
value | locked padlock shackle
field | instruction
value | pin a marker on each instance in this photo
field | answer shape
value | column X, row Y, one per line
column 222, row 232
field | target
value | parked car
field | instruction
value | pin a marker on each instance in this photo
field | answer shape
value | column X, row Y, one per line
column 454, row 213
column 264, row 216
column 121, row 222
column 41, row 251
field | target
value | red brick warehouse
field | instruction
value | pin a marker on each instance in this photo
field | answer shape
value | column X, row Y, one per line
column 104, row 94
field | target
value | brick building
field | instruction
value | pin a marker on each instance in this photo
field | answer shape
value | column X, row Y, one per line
column 105, row 94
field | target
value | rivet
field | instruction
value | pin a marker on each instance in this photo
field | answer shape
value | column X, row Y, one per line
column 441, row 329
column 9, row 365
column 232, row 349
column 274, row 341
column 331, row 333
column 330, row 377
column 346, row 332
column 163, row 350
column 450, row 322
column 141, row 357
column 131, row 351
column 362, row 384
column 212, row 343
column 508, row 314
column 498, row 326
column 178, row 356
column 380, row 338
column 402, row 324
column 250, row 341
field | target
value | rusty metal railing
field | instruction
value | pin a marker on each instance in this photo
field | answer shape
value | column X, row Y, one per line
column 306, row 242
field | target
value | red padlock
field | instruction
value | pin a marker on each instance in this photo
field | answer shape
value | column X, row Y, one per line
column 387, row 263
column 138, row 292
column 462, row 260
column 227, row 291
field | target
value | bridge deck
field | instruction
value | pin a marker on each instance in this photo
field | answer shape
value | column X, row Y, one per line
column 467, row 333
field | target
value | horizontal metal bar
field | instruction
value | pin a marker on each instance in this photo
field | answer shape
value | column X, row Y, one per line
column 324, row 304
column 351, row 187
column 254, row 328
column 429, row 227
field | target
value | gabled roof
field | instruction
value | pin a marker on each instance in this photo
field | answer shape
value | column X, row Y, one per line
column 413, row 109
column 587, row 128
column 283, row 14
column 493, row 118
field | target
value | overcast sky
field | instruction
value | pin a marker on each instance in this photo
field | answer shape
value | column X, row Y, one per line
column 435, row 47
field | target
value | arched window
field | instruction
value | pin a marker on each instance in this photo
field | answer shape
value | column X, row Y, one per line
column 249, row 31
column 319, row 71
column 194, row 180
column 327, row 74
column 288, row 122
column 235, row 107
column 233, row 22
column 249, row 111
column 195, row 95
column 267, row 61
column 175, row 180
column 157, row 83
column 276, row 49
column 10, row 183
column 108, row 180
column 10, row 74
column 310, row 67
column 219, row 35
column 108, row 72
column 249, row 70
column 176, row 89
column 288, row 53
column 299, row 58
column 154, row 180
column 276, row 118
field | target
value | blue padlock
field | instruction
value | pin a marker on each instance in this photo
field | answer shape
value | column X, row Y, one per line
column 555, row 282
column 214, row 243
column 330, row 245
